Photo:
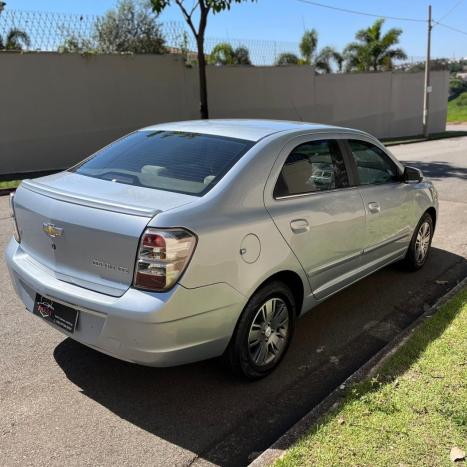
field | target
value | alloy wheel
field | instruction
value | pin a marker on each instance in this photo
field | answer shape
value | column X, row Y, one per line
column 422, row 243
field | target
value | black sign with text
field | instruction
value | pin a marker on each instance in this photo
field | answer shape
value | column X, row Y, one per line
column 58, row 314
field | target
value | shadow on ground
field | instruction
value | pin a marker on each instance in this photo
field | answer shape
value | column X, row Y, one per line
column 204, row 409
column 439, row 170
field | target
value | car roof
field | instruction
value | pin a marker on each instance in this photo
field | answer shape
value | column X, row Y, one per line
column 248, row 129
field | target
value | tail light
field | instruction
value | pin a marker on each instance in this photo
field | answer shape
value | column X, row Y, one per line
column 12, row 214
column 163, row 255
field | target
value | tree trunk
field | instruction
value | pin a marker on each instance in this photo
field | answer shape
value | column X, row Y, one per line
column 203, row 88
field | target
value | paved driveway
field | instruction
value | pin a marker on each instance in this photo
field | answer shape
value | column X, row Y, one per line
column 61, row 403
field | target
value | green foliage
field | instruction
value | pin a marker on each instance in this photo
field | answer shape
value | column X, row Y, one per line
column 288, row 58
column 321, row 60
column 457, row 66
column 457, row 108
column 412, row 413
column 9, row 184
column 325, row 57
column 308, row 45
column 242, row 56
column 75, row 44
column 216, row 6
column 15, row 40
column 372, row 50
column 184, row 46
column 224, row 54
column 129, row 28
column 461, row 101
column 456, row 87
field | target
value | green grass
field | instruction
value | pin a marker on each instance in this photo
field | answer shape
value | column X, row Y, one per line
column 457, row 109
column 411, row 414
column 8, row 184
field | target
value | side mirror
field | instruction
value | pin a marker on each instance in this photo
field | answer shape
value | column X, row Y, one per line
column 412, row 175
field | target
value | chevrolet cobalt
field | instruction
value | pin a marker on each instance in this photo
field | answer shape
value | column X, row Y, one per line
column 185, row 241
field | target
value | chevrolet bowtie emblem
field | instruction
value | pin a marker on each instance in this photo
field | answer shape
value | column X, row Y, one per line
column 51, row 231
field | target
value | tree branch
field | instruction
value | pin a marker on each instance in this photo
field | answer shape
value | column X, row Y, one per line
column 194, row 8
column 187, row 17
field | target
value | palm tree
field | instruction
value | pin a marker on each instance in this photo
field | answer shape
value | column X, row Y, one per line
column 325, row 57
column 224, row 54
column 15, row 40
column 308, row 45
column 373, row 51
column 320, row 59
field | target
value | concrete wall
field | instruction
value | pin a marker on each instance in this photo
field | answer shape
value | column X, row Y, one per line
column 262, row 92
column 57, row 109
column 384, row 104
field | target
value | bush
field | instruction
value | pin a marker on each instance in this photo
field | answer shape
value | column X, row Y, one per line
column 461, row 101
column 131, row 27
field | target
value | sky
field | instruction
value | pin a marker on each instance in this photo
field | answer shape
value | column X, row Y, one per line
column 285, row 20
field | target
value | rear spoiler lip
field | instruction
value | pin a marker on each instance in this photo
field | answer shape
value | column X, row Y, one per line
column 88, row 201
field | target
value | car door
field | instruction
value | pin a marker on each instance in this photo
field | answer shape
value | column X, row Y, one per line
column 388, row 203
column 310, row 197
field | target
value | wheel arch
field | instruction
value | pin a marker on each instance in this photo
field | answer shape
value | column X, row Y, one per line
column 292, row 280
column 432, row 212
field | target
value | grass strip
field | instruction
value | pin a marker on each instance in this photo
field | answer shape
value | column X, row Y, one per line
column 413, row 413
column 9, row 184
column 457, row 109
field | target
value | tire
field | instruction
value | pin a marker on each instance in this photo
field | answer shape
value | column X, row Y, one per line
column 263, row 332
column 421, row 240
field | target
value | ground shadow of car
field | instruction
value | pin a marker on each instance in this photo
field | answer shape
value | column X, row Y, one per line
column 439, row 170
column 204, row 409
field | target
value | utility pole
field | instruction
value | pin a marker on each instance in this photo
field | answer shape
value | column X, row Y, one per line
column 426, row 96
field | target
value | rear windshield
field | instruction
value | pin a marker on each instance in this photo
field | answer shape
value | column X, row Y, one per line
column 189, row 163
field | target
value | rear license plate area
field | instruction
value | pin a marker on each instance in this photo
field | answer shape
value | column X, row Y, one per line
column 62, row 316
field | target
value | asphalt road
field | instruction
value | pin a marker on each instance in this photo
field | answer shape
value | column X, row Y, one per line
column 64, row 404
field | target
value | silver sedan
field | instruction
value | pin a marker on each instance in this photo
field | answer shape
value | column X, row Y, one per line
column 191, row 240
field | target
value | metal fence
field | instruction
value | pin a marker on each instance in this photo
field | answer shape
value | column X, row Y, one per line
column 48, row 31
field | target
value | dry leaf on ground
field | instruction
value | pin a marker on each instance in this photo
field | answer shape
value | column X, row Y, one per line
column 457, row 454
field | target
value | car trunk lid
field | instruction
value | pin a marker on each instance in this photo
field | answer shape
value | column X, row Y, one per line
column 86, row 231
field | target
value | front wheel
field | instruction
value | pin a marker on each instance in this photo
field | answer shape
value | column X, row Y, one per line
column 263, row 332
column 420, row 244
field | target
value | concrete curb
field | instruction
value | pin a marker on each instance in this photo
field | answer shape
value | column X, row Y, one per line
column 334, row 399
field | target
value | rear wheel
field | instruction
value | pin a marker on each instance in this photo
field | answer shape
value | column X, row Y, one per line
column 420, row 244
column 263, row 332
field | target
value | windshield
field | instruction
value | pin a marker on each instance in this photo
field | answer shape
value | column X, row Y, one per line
column 189, row 163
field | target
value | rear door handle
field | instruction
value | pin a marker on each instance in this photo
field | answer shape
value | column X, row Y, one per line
column 374, row 207
column 299, row 225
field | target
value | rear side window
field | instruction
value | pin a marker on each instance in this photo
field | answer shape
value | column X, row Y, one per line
column 189, row 163
column 373, row 165
column 311, row 167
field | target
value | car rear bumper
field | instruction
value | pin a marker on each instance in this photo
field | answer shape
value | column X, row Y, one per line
column 154, row 329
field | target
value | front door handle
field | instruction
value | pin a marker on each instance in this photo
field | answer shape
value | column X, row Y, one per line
column 299, row 226
column 374, row 207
